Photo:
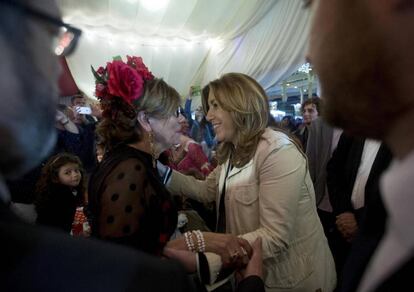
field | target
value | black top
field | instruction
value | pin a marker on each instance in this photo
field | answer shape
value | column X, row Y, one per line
column 34, row 258
column 56, row 206
column 128, row 202
column 81, row 144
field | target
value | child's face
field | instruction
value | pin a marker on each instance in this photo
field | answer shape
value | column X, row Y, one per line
column 70, row 175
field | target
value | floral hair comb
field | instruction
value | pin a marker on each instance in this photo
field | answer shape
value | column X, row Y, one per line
column 120, row 79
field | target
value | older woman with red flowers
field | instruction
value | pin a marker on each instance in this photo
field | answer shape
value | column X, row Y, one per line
column 128, row 203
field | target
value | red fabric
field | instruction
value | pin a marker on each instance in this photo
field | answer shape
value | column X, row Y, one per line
column 194, row 159
column 80, row 226
column 67, row 85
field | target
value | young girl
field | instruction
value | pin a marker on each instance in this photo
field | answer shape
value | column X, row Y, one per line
column 59, row 191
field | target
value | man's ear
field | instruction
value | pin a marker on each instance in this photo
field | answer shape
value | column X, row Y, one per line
column 143, row 120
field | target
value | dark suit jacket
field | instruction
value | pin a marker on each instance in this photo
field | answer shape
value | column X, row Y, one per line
column 40, row 259
column 371, row 222
column 342, row 170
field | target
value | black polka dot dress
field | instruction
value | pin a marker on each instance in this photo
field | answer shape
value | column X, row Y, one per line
column 129, row 204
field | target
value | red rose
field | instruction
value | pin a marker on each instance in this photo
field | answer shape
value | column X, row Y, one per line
column 124, row 81
column 101, row 70
column 139, row 65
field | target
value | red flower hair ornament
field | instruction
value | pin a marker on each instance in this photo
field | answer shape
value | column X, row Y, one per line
column 120, row 79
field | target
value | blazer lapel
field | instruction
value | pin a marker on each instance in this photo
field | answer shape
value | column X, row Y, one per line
column 222, row 180
column 236, row 170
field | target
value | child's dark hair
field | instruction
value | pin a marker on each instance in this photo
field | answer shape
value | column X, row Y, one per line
column 50, row 172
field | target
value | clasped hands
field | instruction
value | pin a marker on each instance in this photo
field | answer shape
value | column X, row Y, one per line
column 347, row 225
column 234, row 251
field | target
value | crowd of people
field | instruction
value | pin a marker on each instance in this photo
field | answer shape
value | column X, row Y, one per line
column 222, row 201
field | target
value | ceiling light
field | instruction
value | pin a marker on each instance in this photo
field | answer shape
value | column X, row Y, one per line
column 154, row 5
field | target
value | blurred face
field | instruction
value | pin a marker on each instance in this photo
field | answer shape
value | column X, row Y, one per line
column 348, row 53
column 70, row 175
column 79, row 101
column 221, row 120
column 100, row 152
column 199, row 114
column 29, row 71
column 166, row 132
column 309, row 113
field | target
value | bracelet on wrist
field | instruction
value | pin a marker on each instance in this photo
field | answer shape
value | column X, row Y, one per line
column 188, row 237
column 201, row 244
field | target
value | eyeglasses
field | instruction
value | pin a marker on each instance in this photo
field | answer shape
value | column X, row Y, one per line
column 180, row 111
column 65, row 41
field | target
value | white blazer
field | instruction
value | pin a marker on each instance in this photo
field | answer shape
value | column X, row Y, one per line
column 272, row 196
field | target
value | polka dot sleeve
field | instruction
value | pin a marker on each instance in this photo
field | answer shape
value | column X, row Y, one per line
column 123, row 199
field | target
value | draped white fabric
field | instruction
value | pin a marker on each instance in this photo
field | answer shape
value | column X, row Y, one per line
column 190, row 42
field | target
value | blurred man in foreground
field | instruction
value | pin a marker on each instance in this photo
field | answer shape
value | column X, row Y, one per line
column 362, row 52
column 33, row 258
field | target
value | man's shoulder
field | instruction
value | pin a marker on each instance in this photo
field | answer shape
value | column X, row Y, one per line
column 32, row 253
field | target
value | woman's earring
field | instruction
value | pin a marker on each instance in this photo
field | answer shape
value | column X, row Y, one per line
column 152, row 149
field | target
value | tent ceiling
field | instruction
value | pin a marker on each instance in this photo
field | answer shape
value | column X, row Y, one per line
column 189, row 42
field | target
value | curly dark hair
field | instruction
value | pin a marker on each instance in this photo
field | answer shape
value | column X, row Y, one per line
column 50, row 173
column 313, row 100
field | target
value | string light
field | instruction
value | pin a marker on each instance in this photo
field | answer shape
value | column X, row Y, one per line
column 305, row 68
column 154, row 5
column 134, row 41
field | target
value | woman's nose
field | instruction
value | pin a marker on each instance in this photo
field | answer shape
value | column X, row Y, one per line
column 209, row 116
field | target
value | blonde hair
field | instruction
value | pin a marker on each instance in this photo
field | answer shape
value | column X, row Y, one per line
column 246, row 102
column 120, row 124
column 159, row 100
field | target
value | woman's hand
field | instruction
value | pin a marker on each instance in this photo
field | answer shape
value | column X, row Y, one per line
column 234, row 251
column 61, row 117
column 255, row 265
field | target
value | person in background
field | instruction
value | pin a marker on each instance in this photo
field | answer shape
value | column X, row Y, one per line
column 78, row 101
column 188, row 156
column 322, row 141
column 76, row 134
column 311, row 109
column 59, row 191
column 288, row 123
column 35, row 258
column 100, row 152
column 63, row 122
column 200, row 128
column 368, row 91
column 262, row 188
column 354, row 168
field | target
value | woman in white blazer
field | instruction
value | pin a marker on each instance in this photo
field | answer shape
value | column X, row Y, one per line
column 262, row 188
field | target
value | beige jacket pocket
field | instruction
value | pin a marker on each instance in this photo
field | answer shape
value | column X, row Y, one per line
column 246, row 194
